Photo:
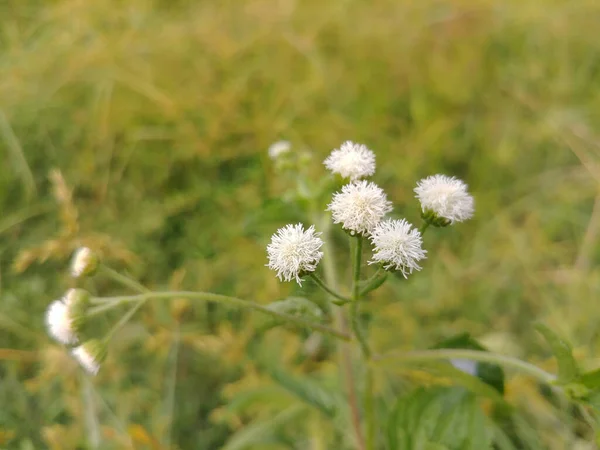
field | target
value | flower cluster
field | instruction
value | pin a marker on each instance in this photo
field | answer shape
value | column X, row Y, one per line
column 65, row 317
column 360, row 207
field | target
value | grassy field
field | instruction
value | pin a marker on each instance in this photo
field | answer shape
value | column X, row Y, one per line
column 141, row 129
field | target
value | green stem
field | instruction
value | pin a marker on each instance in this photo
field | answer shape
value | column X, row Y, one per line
column 123, row 279
column 102, row 307
column 374, row 282
column 473, row 355
column 125, row 319
column 330, row 291
column 217, row 298
column 354, row 312
column 423, row 227
column 345, row 358
column 358, row 332
column 369, row 410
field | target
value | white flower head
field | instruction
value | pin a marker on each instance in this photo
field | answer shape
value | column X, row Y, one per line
column 84, row 262
column 279, row 148
column 446, row 198
column 352, row 161
column 90, row 355
column 398, row 246
column 293, row 252
column 60, row 323
column 359, row 207
column 65, row 317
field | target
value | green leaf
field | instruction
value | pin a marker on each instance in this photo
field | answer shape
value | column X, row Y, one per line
column 438, row 418
column 489, row 373
column 309, row 391
column 293, row 306
column 263, row 431
column 591, row 379
column 297, row 306
column 567, row 367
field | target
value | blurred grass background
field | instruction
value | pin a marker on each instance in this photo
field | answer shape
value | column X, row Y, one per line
column 157, row 114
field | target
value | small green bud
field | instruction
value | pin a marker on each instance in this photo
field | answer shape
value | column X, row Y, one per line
column 78, row 302
column 432, row 218
column 90, row 355
column 84, row 263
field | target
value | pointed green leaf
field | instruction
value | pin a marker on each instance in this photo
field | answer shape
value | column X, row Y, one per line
column 567, row 367
column 309, row 390
column 438, row 418
column 591, row 379
column 263, row 430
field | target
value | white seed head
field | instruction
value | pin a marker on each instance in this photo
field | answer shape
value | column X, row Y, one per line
column 90, row 355
column 59, row 323
column 445, row 196
column 359, row 207
column 279, row 148
column 352, row 161
column 293, row 252
column 84, row 262
column 398, row 246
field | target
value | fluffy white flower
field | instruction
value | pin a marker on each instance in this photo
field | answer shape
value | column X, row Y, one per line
column 85, row 262
column 352, row 161
column 294, row 252
column 397, row 245
column 279, row 148
column 359, row 207
column 65, row 317
column 90, row 355
column 446, row 197
column 59, row 322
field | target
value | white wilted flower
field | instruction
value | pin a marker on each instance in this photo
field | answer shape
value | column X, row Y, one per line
column 359, row 207
column 397, row 245
column 84, row 262
column 446, row 198
column 90, row 355
column 59, row 323
column 293, row 252
column 279, row 148
column 65, row 317
column 352, row 161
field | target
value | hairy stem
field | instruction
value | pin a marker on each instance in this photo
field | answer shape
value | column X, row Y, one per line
column 344, row 356
column 354, row 312
column 126, row 317
column 329, row 290
column 423, row 227
column 362, row 340
column 223, row 299
column 123, row 279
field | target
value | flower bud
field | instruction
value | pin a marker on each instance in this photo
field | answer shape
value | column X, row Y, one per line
column 84, row 263
column 78, row 302
column 90, row 355
column 66, row 317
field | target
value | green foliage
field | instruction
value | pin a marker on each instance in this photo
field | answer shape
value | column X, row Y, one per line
column 438, row 419
column 567, row 366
